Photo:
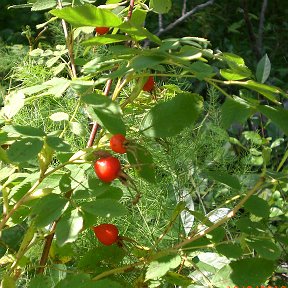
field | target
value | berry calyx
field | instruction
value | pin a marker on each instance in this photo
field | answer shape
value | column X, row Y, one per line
column 107, row 234
column 149, row 85
column 107, row 169
column 102, row 30
column 117, row 143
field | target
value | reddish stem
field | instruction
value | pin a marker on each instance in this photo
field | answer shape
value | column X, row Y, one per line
column 96, row 125
column 130, row 9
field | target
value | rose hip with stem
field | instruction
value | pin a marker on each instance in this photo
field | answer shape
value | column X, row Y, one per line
column 149, row 85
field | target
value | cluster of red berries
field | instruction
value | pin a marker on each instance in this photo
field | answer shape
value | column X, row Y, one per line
column 107, row 169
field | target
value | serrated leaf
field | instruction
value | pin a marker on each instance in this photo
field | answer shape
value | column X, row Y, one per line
column 224, row 178
column 263, row 69
column 171, row 117
column 265, row 248
column 141, row 62
column 235, row 74
column 105, row 208
column 49, row 209
column 257, row 206
column 201, row 70
column 160, row 267
column 24, row 150
column 106, row 112
column 278, row 115
column 68, row 227
column 43, row 5
column 160, row 6
column 142, row 161
column 87, row 15
column 59, row 116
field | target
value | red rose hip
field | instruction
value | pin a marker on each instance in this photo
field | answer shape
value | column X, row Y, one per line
column 117, row 143
column 149, row 85
column 102, row 30
column 107, row 169
column 107, row 234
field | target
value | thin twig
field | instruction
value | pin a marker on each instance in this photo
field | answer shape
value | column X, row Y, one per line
column 131, row 7
column 185, row 16
column 69, row 43
column 184, row 8
column 95, row 124
column 261, row 25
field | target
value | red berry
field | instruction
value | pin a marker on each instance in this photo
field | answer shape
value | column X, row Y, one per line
column 107, row 234
column 117, row 143
column 102, row 30
column 149, row 85
column 107, row 169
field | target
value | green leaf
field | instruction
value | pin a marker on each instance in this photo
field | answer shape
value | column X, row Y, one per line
column 107, row 254
column 268, row 91
column 171, row 117
column 59, row 116
column 178, row 279
column 160, row 267
column 77, row 128
column 265, row 248
column 251, row 271
column 48, row 209
column 105, row 208
column 230, row 250
column 57, row 144
column 8, row 282
column 257, row 206
column 244, row 273
column 201, row 70
column 106, row 112
column 160, row 6
column 245, row 225
column 143, row 161
column 143, row 62
column 234, row 110
column 24, row 130
column 68, row 227
column 41, row 281
column 15, row 101
column 263, row 69
column 233, row 58
column 43, row 5
column 224, row 178
column 107, row 39
column 24, row 150
column 278, row 115
column 252, row 136
column 87, row 15
column 235, row 74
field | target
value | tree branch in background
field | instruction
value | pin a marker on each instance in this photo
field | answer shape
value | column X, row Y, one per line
column 251, row 34
column 184, row 7
column 185, row 16
column 160, row 22
column 261, row 26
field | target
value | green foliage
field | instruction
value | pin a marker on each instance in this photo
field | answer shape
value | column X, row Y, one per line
column 200, row 197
